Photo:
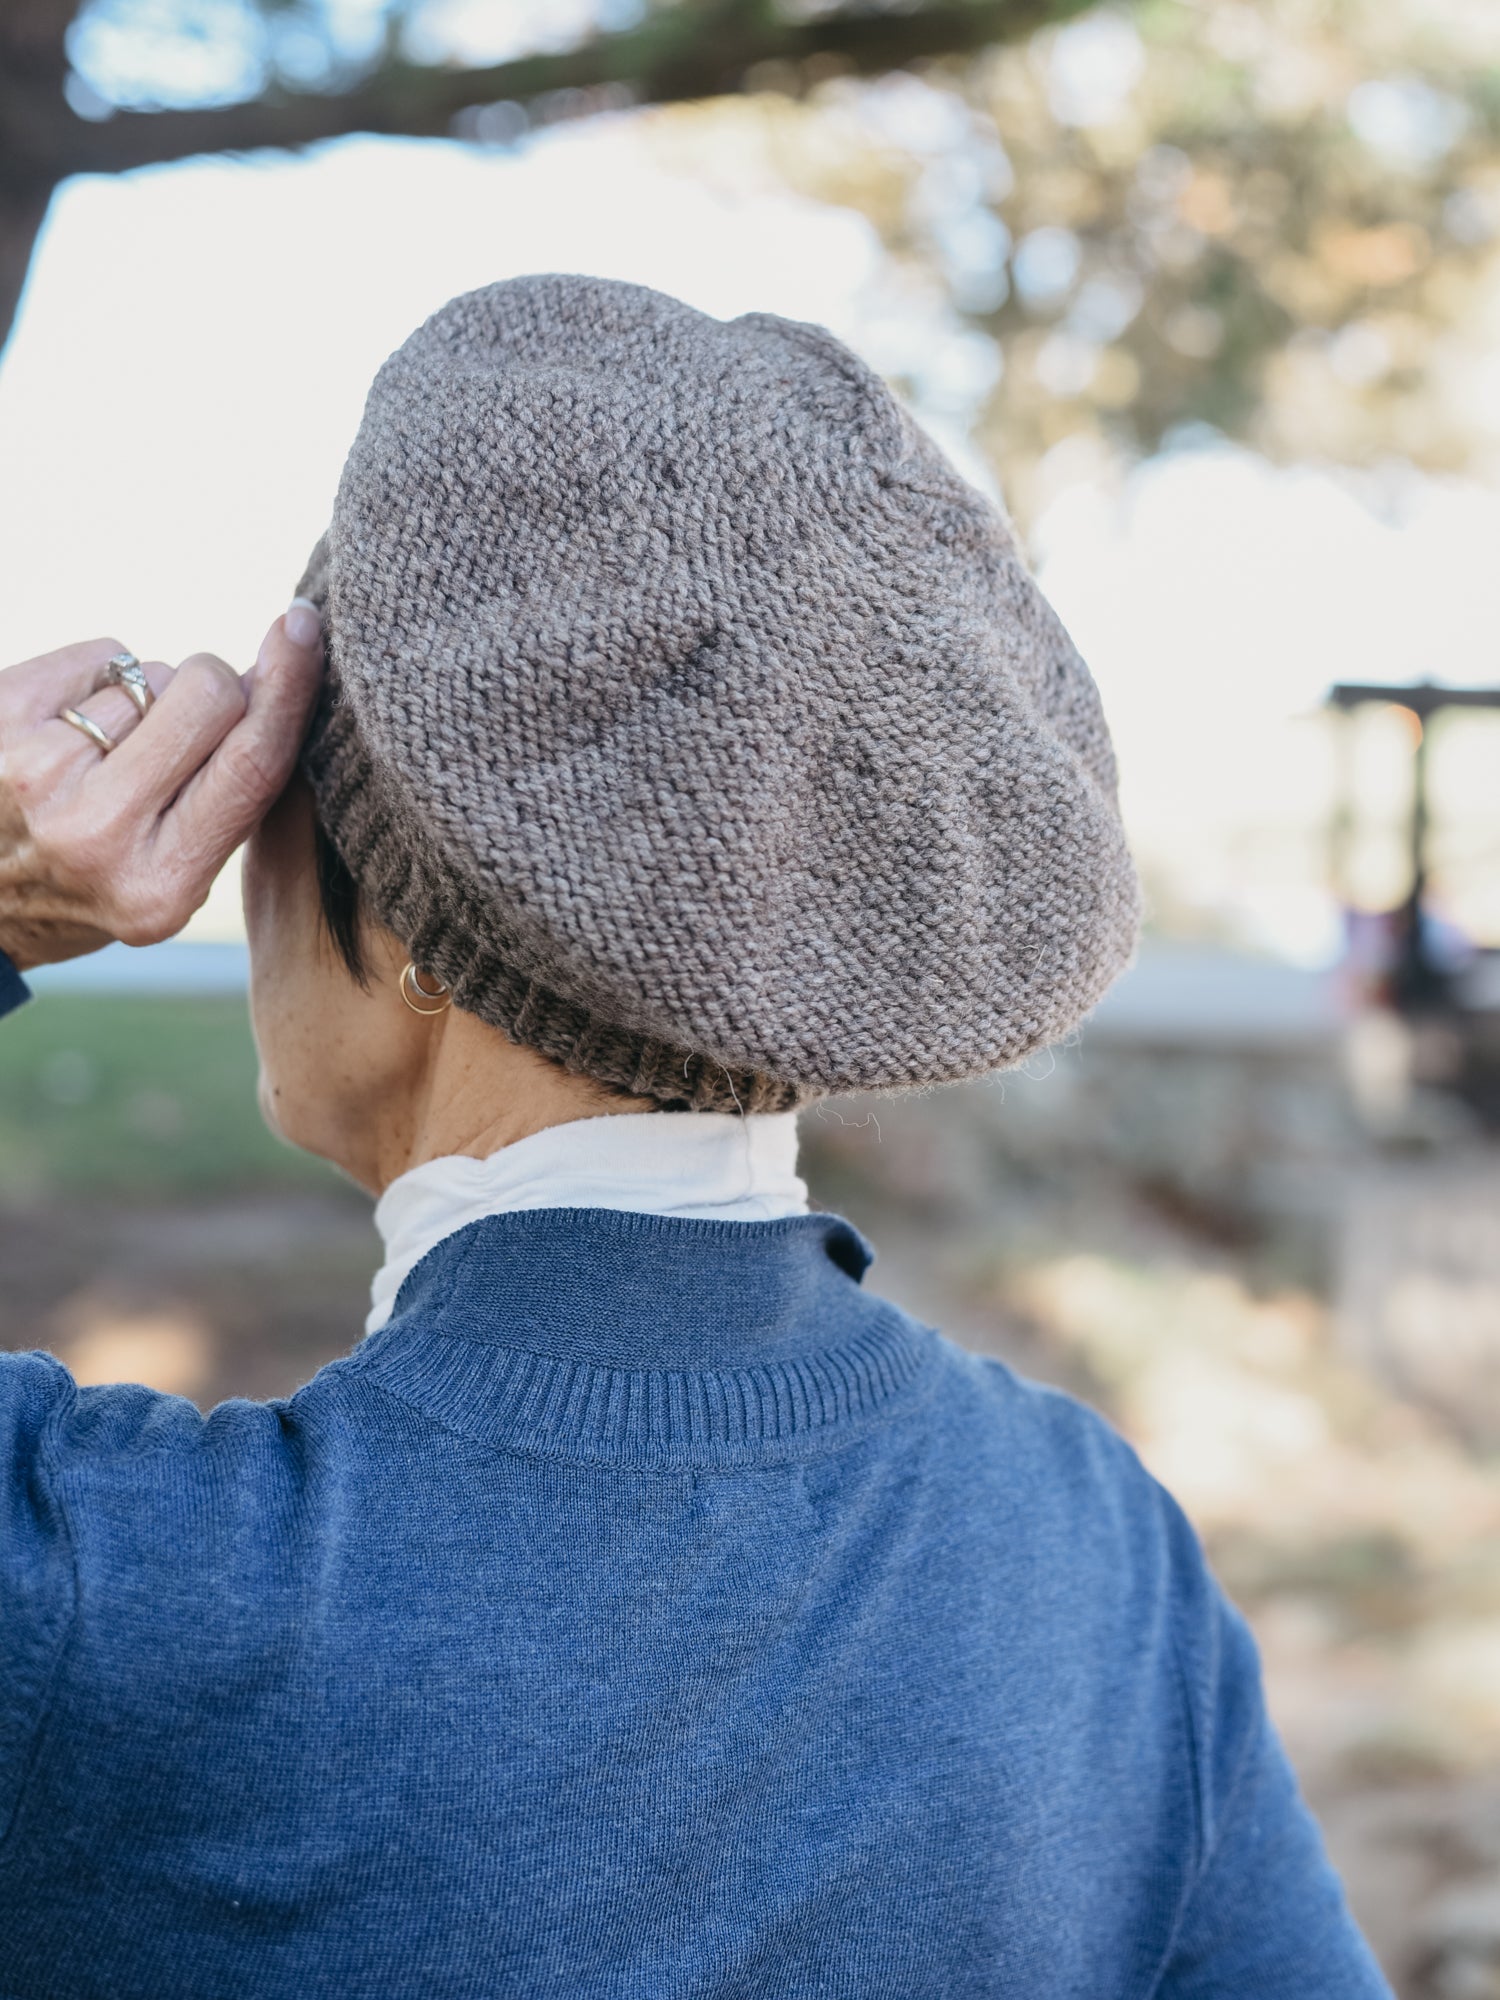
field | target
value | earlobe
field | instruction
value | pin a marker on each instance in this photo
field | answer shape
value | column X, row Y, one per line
column 422, row 999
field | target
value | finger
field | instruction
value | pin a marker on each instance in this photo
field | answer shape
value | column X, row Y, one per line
column 250, row 768
column 193, row 716
column 113, row 709
column 48, row 759
column 37, row 689
column 300, row 629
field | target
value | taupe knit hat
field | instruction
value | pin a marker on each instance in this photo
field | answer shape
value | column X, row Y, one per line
column 694, row 721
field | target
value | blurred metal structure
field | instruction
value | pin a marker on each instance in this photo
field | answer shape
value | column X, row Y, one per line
column 1454, row 1014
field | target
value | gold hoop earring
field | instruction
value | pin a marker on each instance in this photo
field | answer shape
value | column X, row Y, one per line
column 416, row 995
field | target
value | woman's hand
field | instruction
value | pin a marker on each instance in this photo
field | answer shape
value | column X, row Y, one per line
column 125, row 844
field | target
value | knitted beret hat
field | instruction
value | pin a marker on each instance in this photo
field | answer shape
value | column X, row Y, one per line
column 694, row 721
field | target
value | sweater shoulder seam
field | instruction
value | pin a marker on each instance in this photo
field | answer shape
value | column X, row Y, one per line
column 1206, row 1849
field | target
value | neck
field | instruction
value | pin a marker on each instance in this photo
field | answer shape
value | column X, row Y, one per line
column 472, row 1094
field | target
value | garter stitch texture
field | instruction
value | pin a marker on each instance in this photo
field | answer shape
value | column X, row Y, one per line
column 691, row 717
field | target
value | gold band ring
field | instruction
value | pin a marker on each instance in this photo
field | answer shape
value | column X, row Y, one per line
column 125, row 671
column 100, row 738
column 416, row 995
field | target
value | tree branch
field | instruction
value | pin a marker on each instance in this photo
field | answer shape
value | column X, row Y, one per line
column 674, row 56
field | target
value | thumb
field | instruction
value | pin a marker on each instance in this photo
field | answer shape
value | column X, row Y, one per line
column 218, row 807
column 292, row 649
column 282, row 687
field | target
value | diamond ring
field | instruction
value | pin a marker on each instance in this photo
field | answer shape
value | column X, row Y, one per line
column 125, row 671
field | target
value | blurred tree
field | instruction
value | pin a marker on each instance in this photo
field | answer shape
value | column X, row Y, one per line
column 289, row 72
column 1272, row 221
column 1279, row 222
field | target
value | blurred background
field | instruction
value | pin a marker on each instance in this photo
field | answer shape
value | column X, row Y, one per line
column 1210, row 292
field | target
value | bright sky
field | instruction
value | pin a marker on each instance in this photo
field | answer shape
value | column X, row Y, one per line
column 196, row 341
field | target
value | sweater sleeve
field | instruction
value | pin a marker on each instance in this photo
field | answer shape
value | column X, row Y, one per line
column 37, row 1591
column 13, row 988
column 1265, row 1916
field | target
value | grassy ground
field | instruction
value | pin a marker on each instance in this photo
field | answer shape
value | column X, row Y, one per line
column 142, row 1095
column 151, row 1228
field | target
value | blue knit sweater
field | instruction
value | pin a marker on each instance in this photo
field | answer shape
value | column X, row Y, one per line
column 649, row 1611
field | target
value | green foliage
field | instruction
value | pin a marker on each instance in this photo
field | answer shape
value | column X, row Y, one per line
column 146, row 1095
column 1279, row 221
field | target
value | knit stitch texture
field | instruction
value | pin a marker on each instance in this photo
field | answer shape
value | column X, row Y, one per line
column 691, row 717
column 646, row 1613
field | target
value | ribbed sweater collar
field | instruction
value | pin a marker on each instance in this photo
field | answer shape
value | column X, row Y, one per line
column 650, row 1340
column 707, row 1164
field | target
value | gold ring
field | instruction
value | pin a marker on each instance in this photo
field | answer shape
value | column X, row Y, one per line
column 125, row 671
column 416, row 995
column 97, row 736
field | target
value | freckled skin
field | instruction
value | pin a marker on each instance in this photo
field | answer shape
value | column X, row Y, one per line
column 351, row 1073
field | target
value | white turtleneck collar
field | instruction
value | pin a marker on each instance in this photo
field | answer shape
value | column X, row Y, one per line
column 700, row 1163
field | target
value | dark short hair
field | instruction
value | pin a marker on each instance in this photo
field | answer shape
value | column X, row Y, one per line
column 338, row 893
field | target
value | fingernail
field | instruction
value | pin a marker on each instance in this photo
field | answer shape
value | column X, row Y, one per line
column 302, row 624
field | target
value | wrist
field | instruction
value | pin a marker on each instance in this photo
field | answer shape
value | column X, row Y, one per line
column 41, row 924
column 13, row 951
column 19, row 945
